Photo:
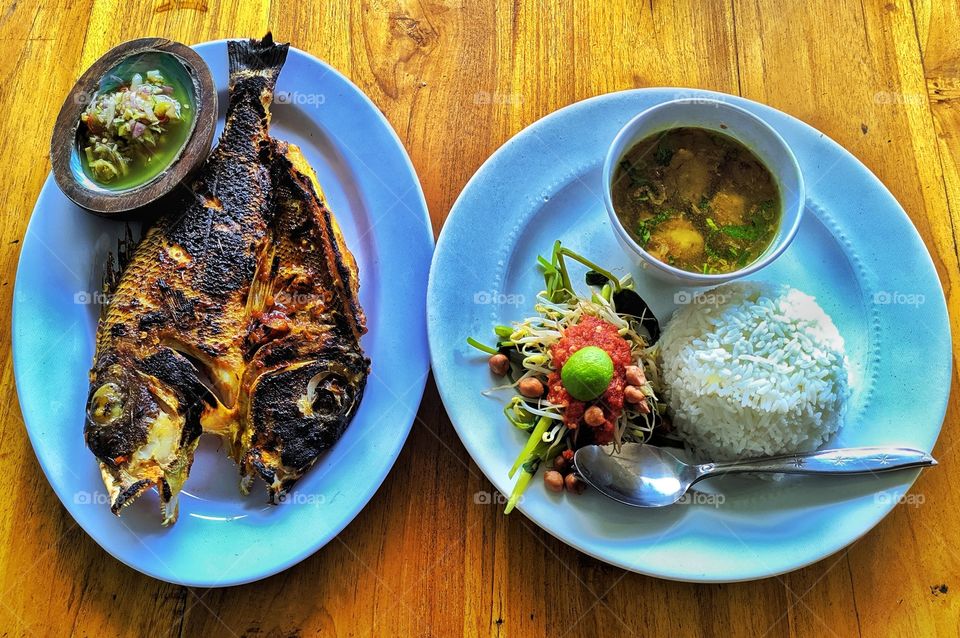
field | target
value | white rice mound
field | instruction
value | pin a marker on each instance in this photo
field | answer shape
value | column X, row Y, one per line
column 753, row 369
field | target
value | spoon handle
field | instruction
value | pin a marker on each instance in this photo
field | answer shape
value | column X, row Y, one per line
column 858, row 460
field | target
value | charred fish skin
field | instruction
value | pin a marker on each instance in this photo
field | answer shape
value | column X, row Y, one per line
column 307, row 371
column 298, row 411
column 169, row 351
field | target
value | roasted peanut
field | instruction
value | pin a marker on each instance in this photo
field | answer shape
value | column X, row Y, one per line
column 635, row 376
column 561, row 464
column 633, row 394
column 553, row 480
column 499, row 364
column 573, row 484
column 594, row 416
column 531, row 388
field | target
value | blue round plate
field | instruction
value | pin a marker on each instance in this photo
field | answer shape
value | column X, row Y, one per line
column 223, row 538
column 856, row 252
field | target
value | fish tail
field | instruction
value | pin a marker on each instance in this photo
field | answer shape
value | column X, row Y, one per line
column 257, row 57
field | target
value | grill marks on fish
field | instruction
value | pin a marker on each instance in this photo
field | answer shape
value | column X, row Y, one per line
column 239, row 316
column 176, row 309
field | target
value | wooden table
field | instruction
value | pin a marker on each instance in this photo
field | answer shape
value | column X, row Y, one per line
column 423, row 560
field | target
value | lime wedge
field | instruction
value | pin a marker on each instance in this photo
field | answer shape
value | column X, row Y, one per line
column 587, row 373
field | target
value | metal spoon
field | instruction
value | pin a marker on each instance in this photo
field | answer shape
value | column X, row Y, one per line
column 649, row 476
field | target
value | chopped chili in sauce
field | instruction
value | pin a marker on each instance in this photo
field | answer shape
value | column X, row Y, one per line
column 591, row 331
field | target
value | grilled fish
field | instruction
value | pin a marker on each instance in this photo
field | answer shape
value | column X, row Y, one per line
column 236, row 315
column 306, row 370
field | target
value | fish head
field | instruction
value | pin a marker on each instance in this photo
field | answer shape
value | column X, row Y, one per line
column 120, row 409
column 297, row 412
column 140, row 429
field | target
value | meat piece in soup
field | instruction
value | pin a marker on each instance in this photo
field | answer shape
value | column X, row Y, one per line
column 729, row 207
column 692, row 169
column 697, row 199
column 677, row 238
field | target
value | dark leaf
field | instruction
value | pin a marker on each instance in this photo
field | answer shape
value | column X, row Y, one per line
column 596, row 279
column 628, row 302
column 515, row 356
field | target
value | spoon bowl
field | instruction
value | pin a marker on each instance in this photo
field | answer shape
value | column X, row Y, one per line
column 643, row 475
column 640, row 475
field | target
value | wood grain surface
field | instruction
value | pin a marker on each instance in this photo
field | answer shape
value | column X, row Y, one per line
column 456, row 80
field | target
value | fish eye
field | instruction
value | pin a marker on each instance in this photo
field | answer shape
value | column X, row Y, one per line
column 106, row 404
column 326, row 393
column 329, row 395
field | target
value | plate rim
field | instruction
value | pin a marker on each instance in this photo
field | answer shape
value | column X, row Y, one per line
column 448, row 395
column 422, row 232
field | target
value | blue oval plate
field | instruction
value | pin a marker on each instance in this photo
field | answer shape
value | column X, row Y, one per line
column 856, row 251
column 223, row 538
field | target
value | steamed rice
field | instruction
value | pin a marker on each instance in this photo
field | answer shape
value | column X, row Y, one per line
column 753, row 369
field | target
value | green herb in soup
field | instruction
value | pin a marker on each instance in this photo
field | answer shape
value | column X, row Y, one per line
column 134, row 131
column 697, row 200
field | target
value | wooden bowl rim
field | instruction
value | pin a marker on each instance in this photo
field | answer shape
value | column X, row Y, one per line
column 193, row 152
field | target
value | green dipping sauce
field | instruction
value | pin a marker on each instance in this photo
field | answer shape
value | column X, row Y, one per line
column 134, row 128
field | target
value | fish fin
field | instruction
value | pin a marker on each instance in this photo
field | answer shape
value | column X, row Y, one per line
column 262, row 57
column 115, row 264
column 263, row 278
column 300, row 164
